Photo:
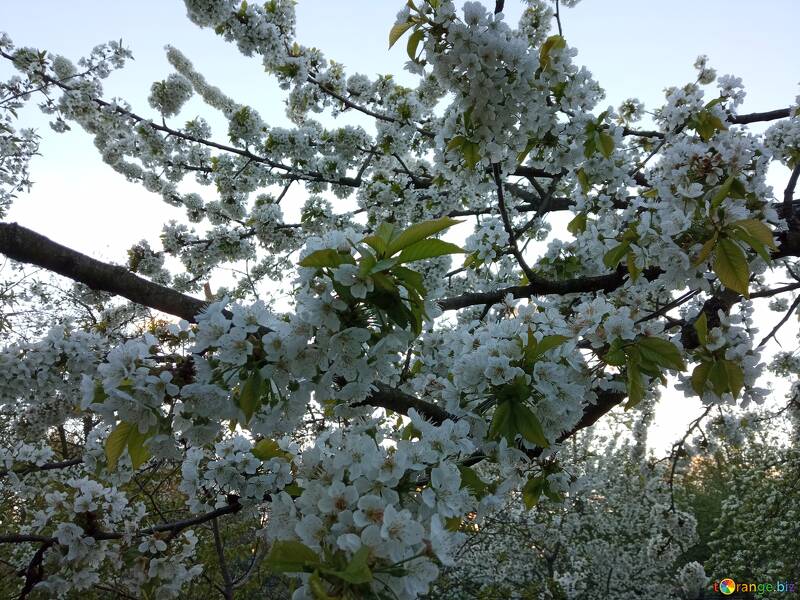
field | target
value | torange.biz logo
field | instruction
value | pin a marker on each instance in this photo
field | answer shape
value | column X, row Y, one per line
column 728, row 586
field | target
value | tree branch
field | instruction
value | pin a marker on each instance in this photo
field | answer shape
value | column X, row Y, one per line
column 24, row 245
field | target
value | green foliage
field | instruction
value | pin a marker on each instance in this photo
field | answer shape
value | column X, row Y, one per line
column 598, row 139
column 705, row 123
column 126, row 435
column 554, row 42
column 714, row 371
column 646, row 355
column 383, row 255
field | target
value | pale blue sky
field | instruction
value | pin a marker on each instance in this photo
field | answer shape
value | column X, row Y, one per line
column 635, row 48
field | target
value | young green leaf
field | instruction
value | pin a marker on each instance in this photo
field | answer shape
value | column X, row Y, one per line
column 633, row 269
column 635, row 385
column 758, row 230
column 705, row 251
column 413, row 43
column 470, row 480
column 136, row 449
column 250, row 397
column 606, row 144
column 701, row 326
column 528, row 424
column 327, row 258
column 126, row 435
column 612, row 258
column 266, row 449
column 583, row 179
column 730, row 265
column 722, row 193
column 427, row 248
column 472, row 154
column 554, row 42
column 456, row 142
column 417, row 232
column 734, row 375
column 116, row 443
column 533, row 490
column 662, row 352
column 534, row 351
column 718, row 377
column 577, row 224
column 397, row 31
column 357, row 570
column 289, row 556
column 501, row 421
column 700, row 377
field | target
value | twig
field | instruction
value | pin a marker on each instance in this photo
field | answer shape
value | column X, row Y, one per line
column 223, row 566
column 788, row 206
column 512, row 240
column 780, row 324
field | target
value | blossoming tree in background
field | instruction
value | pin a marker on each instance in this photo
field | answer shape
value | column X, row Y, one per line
column 417, row 392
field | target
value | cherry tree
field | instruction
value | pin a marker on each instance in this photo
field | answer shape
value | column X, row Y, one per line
column 344, row 444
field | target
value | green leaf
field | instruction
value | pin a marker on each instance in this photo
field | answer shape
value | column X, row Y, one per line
column 528, row 425
column 471, row 481
column 757, row 230
column 630, row 261
column 250, row 397
column 357, row 570
column 456, row 142
column 327, row 258
column 528, row 147
column 413, row 44
column 366, row 263
column 289, row 556
column 589, row 147
column 418, row 232
column 722, row 193
column 554, row 42
column 318, row 588
column 663, row 352
column 606, row 144
column 615, row 357
column 472, row 154
column 411, row 279
column 501, row 421
column 115, row 444
column 583, row 179
column 699, row 378
column 701, row 327
column 612, row 258
column 397, row 31
column 382, row 265
column 376, row 243
column 136, row 449
column 635, row 385
column 705, row 251
column 427, row 249
column 755, row 244
column 578, row 224
column 730, row 265
column 718, row 376
column 533, row 490
column 734, row 375
column 535, row 351
column 126, row 435
column 385, row 231
column 266, row 449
